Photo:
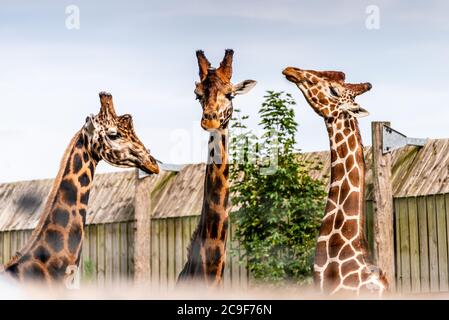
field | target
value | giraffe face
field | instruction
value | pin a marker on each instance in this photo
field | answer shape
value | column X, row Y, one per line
column 113, row 139
column 327, row 93
column 215, row 91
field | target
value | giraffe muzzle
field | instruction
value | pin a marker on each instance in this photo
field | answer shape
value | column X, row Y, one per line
column 210, row 121
column 293, row 74
column 150, row 166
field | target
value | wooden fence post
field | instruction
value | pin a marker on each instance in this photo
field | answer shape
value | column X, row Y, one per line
column 142, row 234
column 383, row 206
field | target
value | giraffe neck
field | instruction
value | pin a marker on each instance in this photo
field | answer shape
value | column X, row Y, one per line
column 56, row 242
column 207, row 250
column 347, row 190
column 341, row 255
column 216, row 184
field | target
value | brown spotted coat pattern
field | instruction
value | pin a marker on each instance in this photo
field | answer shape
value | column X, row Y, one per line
column 341, row 258
column 53, row 252
column 207, row 249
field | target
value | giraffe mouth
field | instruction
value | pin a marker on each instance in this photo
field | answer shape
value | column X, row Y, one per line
column 292, row 74
column 210, row 125
column 151, row 166
column 290, row 78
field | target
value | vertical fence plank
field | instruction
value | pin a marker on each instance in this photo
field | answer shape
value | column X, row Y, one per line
column 93, row 252
column 2, row 261
column 108, row 253
column 369, row 234
column 171, row 254
column 383, row 203
column 24, row 238
column 21, row 242
column 414, row 244
column 13, row 242
column 18, row 240
column 28, row 235
column 123, row 253
column 163, row 265
column 150, row 254
column 186, row 236
column 155, row 260
column 398, row 246
column 80, row 272
column 405, row 245
column 179, row 246
column 446, row 201
column 6, row 246
column 100, row 255
column 85, row 261
column 423, row 244
column 130, row 240
column 433, row 244
column 115, row 253
column 440, row 207
column 142, row 236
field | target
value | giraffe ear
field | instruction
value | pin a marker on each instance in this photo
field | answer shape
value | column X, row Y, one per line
column 244, row 87
column 356, row 111
column 203, row 64
column 225, row 68
column 126, row 120
column 90, row 126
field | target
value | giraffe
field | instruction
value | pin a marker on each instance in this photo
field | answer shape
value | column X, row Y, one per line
column 52, row 254
column 341, row 258
column 207, row 249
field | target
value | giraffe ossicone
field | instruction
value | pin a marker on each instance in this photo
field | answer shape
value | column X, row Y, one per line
column 207, row 249
column 52, row 254
column 342, row 261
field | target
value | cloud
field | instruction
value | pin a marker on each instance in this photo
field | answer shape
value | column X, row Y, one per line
column 144, row 55
column 286, row 11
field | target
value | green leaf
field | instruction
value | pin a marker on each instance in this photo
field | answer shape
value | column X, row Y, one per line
column 278, row 215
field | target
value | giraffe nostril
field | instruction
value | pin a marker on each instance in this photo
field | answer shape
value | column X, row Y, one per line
column 210, row 116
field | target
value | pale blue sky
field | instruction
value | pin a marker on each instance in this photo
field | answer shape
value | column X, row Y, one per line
column 143, row 52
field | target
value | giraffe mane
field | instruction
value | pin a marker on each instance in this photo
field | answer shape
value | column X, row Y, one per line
column 50, row 201
column 192, row 239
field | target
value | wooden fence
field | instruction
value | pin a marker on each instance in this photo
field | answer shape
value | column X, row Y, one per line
column 421, row 247
column 421, row 232
column 108, row 257
column 421, row 235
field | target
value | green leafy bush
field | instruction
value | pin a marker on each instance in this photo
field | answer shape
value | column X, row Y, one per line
column 279, row 206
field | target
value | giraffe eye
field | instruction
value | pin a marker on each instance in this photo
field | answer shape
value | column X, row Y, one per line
column 229, row 96
column 198, row 96
column 334, row 92
column 114, row 136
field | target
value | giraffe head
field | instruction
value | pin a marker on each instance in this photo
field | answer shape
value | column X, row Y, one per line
column 112, row 138
column 327, row 93
column 215, row 91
